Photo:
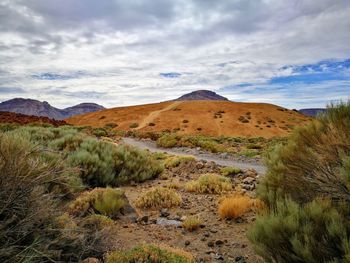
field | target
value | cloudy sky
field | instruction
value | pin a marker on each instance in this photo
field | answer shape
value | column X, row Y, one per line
column 294, row 53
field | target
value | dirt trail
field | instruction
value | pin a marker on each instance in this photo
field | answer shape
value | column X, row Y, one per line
column 150, row 145
column 154, row 114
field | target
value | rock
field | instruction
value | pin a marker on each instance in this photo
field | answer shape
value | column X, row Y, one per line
column 203, row 239
column 213, row 231
column 240, row 259
column 144, row 219
column 219, row 256
column 187, row 243
column 133, row 219
column 91, row 260
column 219, row 242
column 207, row 234
column 210, row 244
column 183, row 218
column 164, row 212
column 199, row 165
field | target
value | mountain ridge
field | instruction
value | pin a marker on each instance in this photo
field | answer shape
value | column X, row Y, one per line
column 201, row 95
column 44, row 109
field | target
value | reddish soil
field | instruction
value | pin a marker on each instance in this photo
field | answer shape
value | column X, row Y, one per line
column 22, row 119
column 213, row 118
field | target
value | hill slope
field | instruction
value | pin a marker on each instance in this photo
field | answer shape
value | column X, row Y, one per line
column 38, row 108
column 12, row 117
column 199, row 117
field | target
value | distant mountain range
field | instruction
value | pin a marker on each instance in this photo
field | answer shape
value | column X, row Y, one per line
column 313, row 112
column 201, row 95
column 38, row 108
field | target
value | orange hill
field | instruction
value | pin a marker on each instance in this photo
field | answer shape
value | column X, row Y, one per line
column 199, row 117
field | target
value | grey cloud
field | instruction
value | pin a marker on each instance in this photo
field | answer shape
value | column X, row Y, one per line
column 11, row 90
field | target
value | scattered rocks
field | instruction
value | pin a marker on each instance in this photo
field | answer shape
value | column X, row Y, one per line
column 187, row 242
column 219, row 242
column 210, row 244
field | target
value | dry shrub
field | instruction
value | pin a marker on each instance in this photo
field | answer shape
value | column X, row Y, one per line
column 150, row 254
column 159, row 197
column 191, row 223
column 210, row 184
column 237, row 205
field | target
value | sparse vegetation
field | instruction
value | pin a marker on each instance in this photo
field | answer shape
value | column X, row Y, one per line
column 150, row 254
column 210, row 184
column 159, row 197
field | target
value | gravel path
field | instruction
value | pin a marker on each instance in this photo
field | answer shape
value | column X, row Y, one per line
column 221, row 159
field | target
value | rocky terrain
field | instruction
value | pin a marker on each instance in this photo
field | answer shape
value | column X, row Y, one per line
column 44, row 109
column 216, row 239
column 11, row 117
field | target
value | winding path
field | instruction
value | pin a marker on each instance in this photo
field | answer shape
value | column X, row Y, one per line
column 230, row 161
column 154, row 114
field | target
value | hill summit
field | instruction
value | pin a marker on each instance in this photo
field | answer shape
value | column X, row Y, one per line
column 201, row 95
column 44, row 109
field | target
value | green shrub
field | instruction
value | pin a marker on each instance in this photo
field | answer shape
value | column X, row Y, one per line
column 110, row 125
column 97, row 161
column 150, row 254
column 167, row 140
column 307, row 191
column 230, row 171
column 292, row 233
column 99, row 132
column 210, row 184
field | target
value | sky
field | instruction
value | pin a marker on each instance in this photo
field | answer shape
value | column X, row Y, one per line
column 293, row 53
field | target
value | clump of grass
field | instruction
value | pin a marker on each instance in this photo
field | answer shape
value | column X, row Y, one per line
column 150, row 254
column 235, row 206
column 97, row 221
column 159, row 197
column 175, row 161
column 151, row 124
column 105, row 201
column 167, row 140
column 173, row 185
column 210, row 184
column 191, row 223
column 185, row 121
column 133, row 125
column 230, row 171
column 111, row 125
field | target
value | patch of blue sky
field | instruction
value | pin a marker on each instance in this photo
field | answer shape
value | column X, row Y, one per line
column 58, row 76
column 170, row 74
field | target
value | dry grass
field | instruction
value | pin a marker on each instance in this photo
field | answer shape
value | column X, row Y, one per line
column 191, row 223
column 237, row 205
column 151, row 254
column 159, row 197
column 209, row 184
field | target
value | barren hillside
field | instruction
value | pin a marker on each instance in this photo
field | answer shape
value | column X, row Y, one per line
column 199, row 117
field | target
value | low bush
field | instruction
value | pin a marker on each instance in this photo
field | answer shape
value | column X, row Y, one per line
column 159, row 197
column 230, row 171
column 235, row 206
column 191, row 223
column 105, row 201
column 111, row 125
column 150, row 254
column 210, row 184
column 175, row 161
column 151, row 124
column 134, row 125
column 99, row 132
column 167, row 140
